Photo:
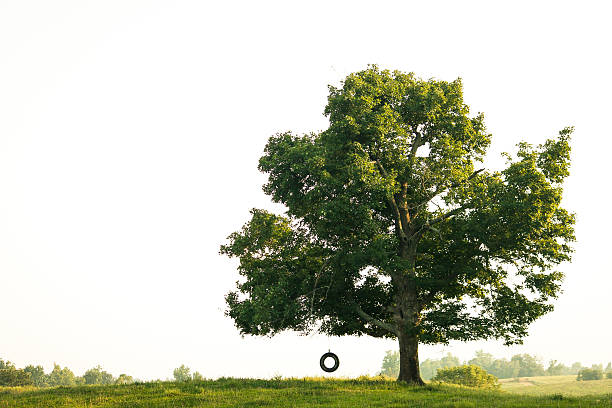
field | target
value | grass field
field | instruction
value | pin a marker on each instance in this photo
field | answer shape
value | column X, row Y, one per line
column 563, row 384
column 284, row 393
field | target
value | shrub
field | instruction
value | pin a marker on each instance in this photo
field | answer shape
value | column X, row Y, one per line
column 609, row 374
column 588, row 374
column 469, row 375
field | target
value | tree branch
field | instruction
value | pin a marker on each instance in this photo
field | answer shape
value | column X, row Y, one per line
column 398, row 219
column 441, row 190
column 447, row 215
column 418, row 142
column 429, row 224
column 375, row 321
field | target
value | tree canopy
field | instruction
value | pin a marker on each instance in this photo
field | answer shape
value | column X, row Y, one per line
column 394, row 227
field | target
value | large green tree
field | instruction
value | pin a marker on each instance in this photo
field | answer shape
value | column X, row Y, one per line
column 97, row 375
column 394, row 227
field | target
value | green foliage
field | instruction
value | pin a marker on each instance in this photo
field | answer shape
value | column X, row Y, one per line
column 182, row 373
column 468, row 375
column 589, row 374
column 124, row 379
column 61, row 376
column 196, row 376
column 501, row 368
column 609, row 374
column 555, row 368
column 529, row 366
column 37, row 374
column 393, row 230
column 390, row 364
column 11, row 376
column 575, row 368
column 430, row 367
column 98, row 376
column 521, row 365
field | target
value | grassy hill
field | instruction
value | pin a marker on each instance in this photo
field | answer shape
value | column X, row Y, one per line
column 283, row 393
column 563, row 384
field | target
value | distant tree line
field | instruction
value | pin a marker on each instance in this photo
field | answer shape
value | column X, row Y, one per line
column 35, row 375
column 31, row 375
column 520, row 365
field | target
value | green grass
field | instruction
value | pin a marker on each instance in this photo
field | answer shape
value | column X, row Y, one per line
column 282, row 393
column 563, row 384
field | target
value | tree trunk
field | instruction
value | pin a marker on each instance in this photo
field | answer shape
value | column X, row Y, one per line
column 409, row 360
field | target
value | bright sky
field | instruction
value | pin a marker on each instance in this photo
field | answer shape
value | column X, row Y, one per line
column 129, row 138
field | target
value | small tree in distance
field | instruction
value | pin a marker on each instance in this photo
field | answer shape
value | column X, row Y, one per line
column 124, row 379
column 182, row 373
column 395, row 229
column 61, row 376
column 37, row 374
column 430, row 367
column 11, row 376
column 97, row 375
column 390, row 364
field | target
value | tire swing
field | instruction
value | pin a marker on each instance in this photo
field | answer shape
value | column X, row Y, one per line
column 329, row 354
column 324, row 357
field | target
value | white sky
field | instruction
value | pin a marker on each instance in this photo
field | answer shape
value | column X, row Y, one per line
column 129, row 138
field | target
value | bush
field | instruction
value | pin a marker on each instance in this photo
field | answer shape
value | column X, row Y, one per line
column 469, row 375
column 588, row 374
column 609, row 374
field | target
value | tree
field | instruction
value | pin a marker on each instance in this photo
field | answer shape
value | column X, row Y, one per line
column 37, row 374
column 5, row 364
column 10, row 376
column 182, row 373
column 555, row 368
column 97, row 375
column 124, row 379
column 392, row 230
column 61, row 376
column 575, row 368
column 529, row 366
column 502, row 368
column 390, row 364
column 482, row 359
column 430, row 367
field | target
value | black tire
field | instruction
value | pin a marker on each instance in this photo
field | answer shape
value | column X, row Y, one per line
column 332, row 368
